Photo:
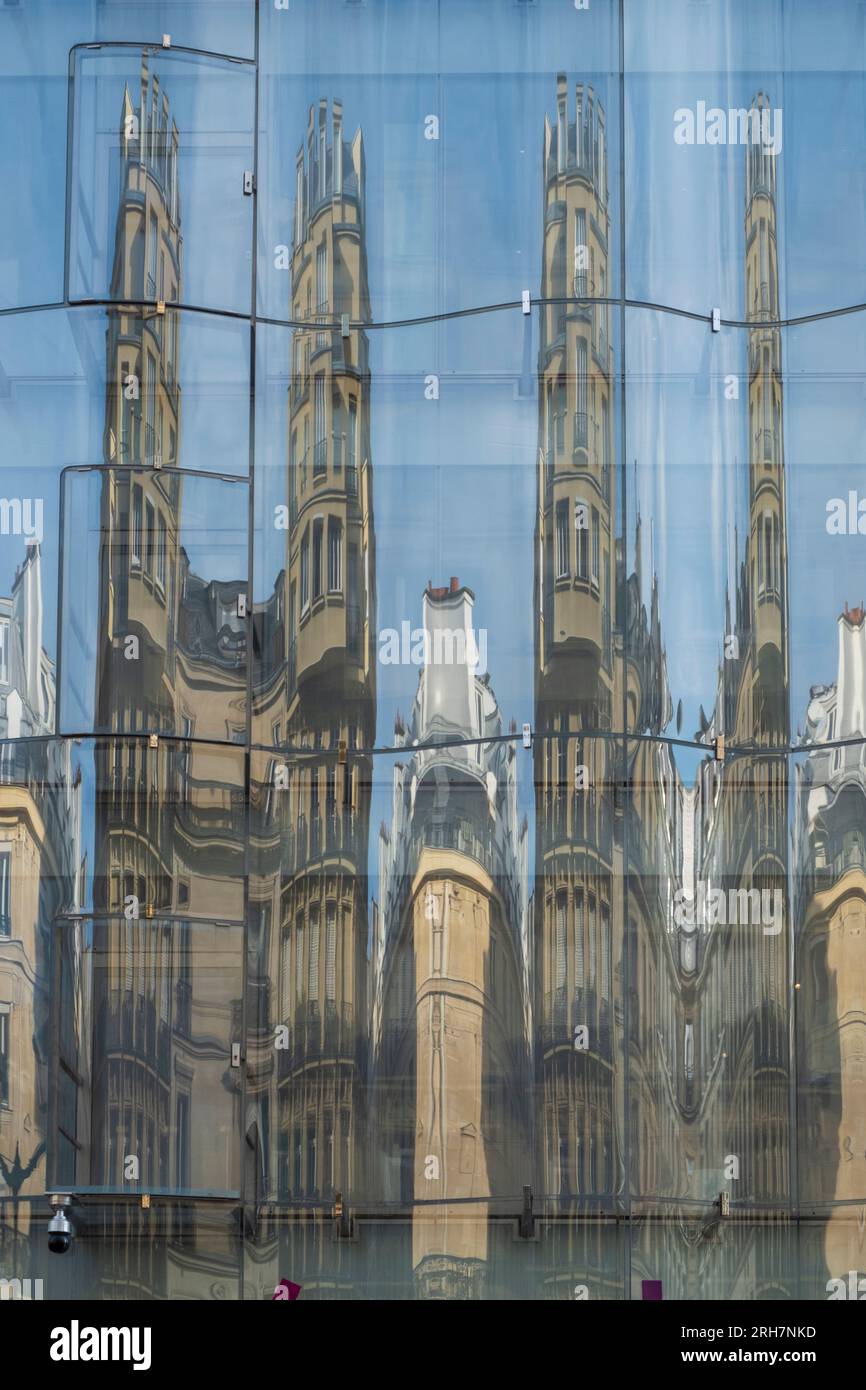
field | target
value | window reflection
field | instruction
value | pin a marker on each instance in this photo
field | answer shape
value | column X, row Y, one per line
column 146, row 1098
column 154, row 564
column 500, row 989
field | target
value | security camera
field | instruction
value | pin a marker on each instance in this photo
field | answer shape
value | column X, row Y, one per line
column 61, row 1227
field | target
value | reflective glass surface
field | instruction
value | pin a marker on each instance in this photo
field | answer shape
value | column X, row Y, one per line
column 433, row 648
column 36, row 40
column 377, row 119
column 169, row 655
column 739, row 114
column 124, row 386
column 153, row 216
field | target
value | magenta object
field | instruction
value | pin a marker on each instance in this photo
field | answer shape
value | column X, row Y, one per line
column 286, row 1291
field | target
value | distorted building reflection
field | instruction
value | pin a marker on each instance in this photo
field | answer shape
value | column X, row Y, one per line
column 142, row 417
column 717, row 1075
column 577, row 935
column 40, row 849
column 706, row 1074
column 149, row 968
column 742, row 1059
column 316, row 691
column 450, row 963
column 201, row 999
column 829, row 843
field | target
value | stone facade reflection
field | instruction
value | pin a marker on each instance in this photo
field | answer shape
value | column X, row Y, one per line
column 316, row 691
column 40, row 848
column 525, row 1030
column 725, row 1067
column 148, row 970
column 830, row 925
column 450, row 966
column 577, row 947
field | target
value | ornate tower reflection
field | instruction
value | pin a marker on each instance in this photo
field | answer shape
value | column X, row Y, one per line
column 160, row 975
column 739, row 1117
column 575, row 945
column 449, row 967
column 317, row 698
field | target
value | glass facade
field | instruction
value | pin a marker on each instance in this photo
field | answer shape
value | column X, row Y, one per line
column 433, row 648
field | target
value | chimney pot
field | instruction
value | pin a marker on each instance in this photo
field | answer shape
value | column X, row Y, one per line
column 455, row 584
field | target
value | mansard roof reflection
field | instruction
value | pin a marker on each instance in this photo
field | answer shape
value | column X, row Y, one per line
column 209, row 628
column 437, row 787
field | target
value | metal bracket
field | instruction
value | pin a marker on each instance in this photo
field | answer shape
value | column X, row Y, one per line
column 341, row 751
column 526, row 1220
column 527, row 735
column 249, row 182
column 720, row 748
column 236, row 1054
column 166, row 40
column 153, row 741
column 343, row 1229
column 716, row 320
column 242, row 605
column 526, row 300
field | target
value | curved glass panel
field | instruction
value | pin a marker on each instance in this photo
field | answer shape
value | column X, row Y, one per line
column 154, row 566
column 726, row 106
column 174, row 1250
column 432, row 713
column 371, row 481
column 707, row 482
column 120, row 818
column 420, row 135
column 752, row 1261
column 482, row 927
column 35, row 43
column 745, row 452
column 709, row 929
column 827, row 835
column 563, row 1262
column 122, row 386
column 143, row 1091
column 160, row 143
column 825, row 421
column 105, row 1023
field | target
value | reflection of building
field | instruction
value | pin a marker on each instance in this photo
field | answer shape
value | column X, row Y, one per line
column 830, row 952
column 704, row 1018
column 38, row 796
column 579, row 674
column 575, row 576
column 147, row 1098
column 756, row 708
column 142, row 417
column 448, row 963
column 316, row 691
column 735, row 996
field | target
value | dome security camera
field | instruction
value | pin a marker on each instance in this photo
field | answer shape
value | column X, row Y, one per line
column 61, row 1227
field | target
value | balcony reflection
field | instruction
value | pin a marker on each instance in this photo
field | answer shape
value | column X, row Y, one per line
column 612, row 970
column 315, row 690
